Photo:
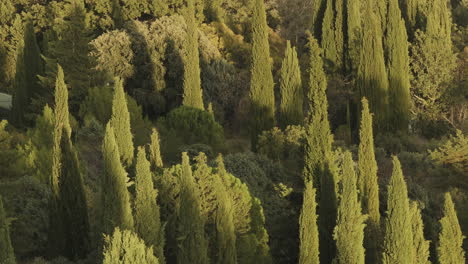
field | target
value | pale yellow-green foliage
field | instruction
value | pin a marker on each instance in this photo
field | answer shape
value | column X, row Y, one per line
column 449, row 248
column 125, row 247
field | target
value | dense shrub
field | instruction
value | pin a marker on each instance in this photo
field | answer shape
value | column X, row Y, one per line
column 188, row 126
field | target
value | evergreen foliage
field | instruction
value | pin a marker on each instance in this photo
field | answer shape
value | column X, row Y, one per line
column 262, row 97
column 396, row 48
column 372, row 79
column 155, row 151
column 193, row 246
column 116, row 209
column 28, row 66
column 291, row 108
column 420, row 244
column 216, row 208
column 332, row 35
column 125, row 247
column 410, row 9
column 349, row 230
column 120, row 121
column 147, row 216
column 308, row 230
column 398, row 240
column 449, row 247
column 367, row 182
column 193, row 95
column 353, row 21
column 7, row 255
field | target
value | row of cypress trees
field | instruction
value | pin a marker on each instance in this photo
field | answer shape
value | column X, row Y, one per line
column 340, row 219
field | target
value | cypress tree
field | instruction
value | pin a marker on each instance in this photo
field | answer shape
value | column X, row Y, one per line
column 61, row 111
column 262, row 97
column 308, row 229
column 380, row 7
column 367, row 183
column 28, row 66
column 147, row 217
column 318, row 151
column 354, row 33
column 433, row 60
column 125, row 247
column 291, row 108
column 120, row 122
column 217, row 211
column 154, row 150
column 398, row 239
column 450, row 245
column 193, row 94
column 319, row 138
column 72, row 203
column 410, row 10
column 260, row 234
column 420, row 244
column 349, row 230
column 332, row 35
column 396, row 47
column 116, row 210
column 7, row 255
column 372, row 79
column 193, row 247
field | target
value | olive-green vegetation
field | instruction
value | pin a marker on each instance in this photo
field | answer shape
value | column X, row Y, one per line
column 233, row 131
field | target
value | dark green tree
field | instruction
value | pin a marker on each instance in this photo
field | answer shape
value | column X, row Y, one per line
column 120, row 121
column 291, row 108
column 349, row 230
column 308, row 229
column 7, row 255
column 368, row 183
column 319, row 159
column 147, row 217
column 193, row 94
column 193, row 246
column 450, row 244
column 372, row 79
column 332, row 35
column 28, row 66
column 354, row 33
column 396, row 49
column 70, row 49
column 398, row 235
column 116, row 209
column 262, row 96
column 125, row 247
column 420, row 244
column 410, row 9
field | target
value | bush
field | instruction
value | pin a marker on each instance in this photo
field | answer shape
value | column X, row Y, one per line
column 187, row 126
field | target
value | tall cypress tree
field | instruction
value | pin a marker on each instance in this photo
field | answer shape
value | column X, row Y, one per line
column 319, row 160
column 7, row 255
column 28, row 66
column 410, row 10
column 450, row 244
column 193, row 95
column 147, row 217
column 217, row 211
column 332, row 35
column 433, row 60
column 262, row 97
column 308, row 229
column 354, row 33
column 154, row 150
column 349, row 230
column 396, row 47
column 72, row 203
column 116, row 209
column 193, row 246
column 420, row 244
column 398, row 239
column 291, row 108
column 120, row 122
column 372, row 79
column 367, row 183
